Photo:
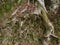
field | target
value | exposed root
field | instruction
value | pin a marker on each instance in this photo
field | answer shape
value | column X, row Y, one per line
column 42, row 4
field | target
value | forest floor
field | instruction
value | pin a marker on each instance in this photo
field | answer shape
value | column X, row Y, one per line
column 24, row 28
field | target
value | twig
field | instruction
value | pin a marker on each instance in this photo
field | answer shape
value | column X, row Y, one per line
column 24, row 9
column 15, row 12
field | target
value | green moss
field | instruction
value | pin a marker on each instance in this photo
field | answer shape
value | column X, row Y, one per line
column 22, row 1
column 1, row 12
column 7, row 7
